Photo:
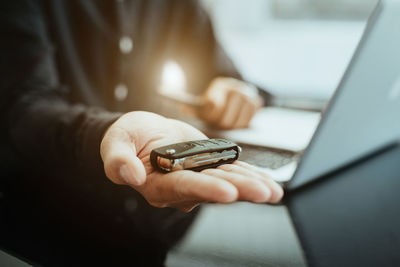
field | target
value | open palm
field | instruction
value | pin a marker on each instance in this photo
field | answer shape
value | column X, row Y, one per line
column 125, row 151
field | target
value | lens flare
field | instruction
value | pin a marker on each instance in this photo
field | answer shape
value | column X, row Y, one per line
column 173, row 80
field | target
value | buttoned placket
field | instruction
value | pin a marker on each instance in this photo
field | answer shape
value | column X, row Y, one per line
column 126, row 45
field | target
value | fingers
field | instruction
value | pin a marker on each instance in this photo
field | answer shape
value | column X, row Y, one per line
column 249, row 189
column 225, row 184
column 238, row 111
column 245, row 115
column 211, row 111
column 247, row 112
column 230, row 103
column 121, row 164
column 250, row 172
column 276, row 189
column 231, row 111
column 181, row 186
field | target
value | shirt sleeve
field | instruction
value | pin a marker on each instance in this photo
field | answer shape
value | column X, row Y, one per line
column 42, row 127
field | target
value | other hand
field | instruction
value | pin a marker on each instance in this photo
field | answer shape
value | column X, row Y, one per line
column 230, row 103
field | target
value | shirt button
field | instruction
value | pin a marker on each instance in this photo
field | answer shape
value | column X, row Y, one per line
column 125, row 45
column 120, row 92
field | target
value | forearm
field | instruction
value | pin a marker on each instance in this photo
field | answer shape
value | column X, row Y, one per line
column 52, row 135
column 41, row 125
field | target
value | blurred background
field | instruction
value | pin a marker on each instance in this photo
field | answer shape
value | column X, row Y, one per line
column 291, row 47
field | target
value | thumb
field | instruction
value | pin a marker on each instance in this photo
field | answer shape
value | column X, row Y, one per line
column 121, row 164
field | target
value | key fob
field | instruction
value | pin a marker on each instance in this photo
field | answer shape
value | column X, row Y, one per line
column 194, row 155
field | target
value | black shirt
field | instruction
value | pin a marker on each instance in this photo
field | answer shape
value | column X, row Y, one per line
column 62, row 61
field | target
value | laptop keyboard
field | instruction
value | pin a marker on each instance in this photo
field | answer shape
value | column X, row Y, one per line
column 266, row 157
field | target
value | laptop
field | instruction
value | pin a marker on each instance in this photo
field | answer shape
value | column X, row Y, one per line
column 361, row 117
column 351, row 218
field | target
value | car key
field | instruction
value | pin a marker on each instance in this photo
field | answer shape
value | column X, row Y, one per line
column 194, row 155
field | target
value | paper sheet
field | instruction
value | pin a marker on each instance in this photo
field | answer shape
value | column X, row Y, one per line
column 277, row 128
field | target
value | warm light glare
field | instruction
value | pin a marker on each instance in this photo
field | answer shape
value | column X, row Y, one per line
column 173, row 78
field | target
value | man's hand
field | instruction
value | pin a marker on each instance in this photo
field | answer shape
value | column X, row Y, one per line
column 230, row 103
column 125, row 150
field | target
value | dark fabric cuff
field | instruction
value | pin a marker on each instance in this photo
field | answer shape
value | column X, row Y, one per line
column 91, row 135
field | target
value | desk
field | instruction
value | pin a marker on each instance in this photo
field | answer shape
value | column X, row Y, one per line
column 349, row 218
column 240, row 234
